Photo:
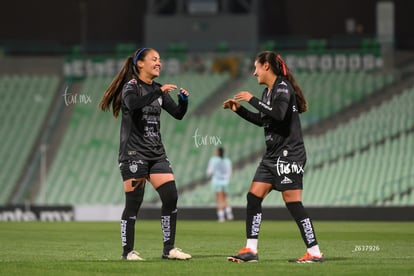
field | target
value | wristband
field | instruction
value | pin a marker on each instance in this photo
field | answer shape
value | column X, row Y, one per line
column 182, row 96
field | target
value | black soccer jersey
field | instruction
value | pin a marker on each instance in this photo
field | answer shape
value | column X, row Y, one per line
column 140, row 126
column 278, row 114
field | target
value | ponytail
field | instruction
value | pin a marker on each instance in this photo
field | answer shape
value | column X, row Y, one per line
column 300, row 98
column 280, row 68
column 113, row 94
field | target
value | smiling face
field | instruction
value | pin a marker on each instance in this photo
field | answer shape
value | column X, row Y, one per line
column 264, row 74
column 150, row 66
column 261, row 71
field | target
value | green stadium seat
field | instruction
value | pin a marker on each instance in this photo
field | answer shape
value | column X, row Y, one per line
column 87, row 157
column 34, row 95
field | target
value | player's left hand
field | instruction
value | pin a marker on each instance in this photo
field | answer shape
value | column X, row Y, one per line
column 167, row 88
column 183, row 94
column 231, row 104
column 243, row 96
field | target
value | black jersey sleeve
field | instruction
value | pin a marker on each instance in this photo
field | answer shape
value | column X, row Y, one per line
column 133, row 98
column 276, row 111
column 252, row 117
column 176, row 110
column 278, row 107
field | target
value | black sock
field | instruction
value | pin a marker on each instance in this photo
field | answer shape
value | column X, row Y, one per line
column 127, row 235
column 304, row 223
column 133, row 201
column 169, row 196
column 253, row 216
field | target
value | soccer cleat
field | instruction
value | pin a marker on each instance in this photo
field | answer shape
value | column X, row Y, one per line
column 132, row 256
column 176, row 254
column 230, row 217
column 244, row 255
column 308, row 258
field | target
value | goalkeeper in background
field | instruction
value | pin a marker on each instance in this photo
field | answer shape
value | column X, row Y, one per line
column 219, row 170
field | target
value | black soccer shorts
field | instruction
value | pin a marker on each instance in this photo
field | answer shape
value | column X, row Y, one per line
column 143, row 168
column 282, row 173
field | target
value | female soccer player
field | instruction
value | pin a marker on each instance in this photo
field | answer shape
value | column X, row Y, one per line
column 219, row 169
column 141, row 152
column 282, row 165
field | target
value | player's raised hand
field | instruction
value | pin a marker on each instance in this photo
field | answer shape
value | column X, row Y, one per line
column 243, row 96
column 167, row 88
column 231, row 104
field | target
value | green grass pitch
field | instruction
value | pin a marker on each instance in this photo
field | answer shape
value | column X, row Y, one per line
column 93, row 248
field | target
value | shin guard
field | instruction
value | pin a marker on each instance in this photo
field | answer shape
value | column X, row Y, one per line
column 133, row 201
column 169, row 196
column 304, row 223
column 253, row 216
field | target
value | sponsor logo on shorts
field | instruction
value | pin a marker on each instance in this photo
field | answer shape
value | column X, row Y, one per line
column 286, row 180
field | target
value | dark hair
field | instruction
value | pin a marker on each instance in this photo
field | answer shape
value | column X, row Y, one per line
column 279, row 67
column 220, row 152
column 113, row 94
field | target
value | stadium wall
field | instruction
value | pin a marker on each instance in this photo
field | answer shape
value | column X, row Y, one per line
column 90, row 22
column 113, row 212
column 31, row 65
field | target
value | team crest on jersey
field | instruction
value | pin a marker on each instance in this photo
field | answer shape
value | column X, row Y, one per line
column 160, row 100
column 133, row 81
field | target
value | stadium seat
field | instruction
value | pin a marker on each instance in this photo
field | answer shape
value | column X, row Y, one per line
column 34, row 95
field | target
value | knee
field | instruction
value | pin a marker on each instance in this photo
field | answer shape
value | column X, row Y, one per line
column 136, row 196
column 168, row 195
column 253, row 201
column 133, row 184
column 132, row 204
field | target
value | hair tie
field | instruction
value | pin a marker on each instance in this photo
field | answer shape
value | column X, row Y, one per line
column 283, row 64
column 138, row 54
